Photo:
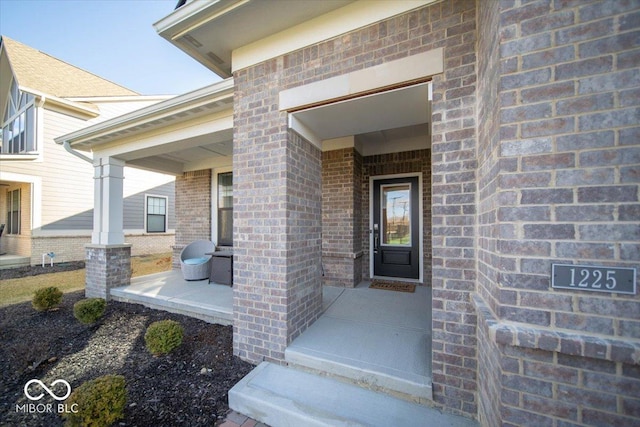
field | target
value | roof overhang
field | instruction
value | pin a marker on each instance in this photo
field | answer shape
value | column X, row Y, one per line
column 227, row 35
column 80, row 109
column 170, row 137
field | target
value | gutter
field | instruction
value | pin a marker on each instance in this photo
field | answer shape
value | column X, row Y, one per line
column 79, row 155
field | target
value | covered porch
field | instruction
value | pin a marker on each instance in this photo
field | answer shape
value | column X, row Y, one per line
column 298, row 211
column 377, row 338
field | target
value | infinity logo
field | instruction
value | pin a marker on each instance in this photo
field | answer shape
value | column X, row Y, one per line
column 47, row 389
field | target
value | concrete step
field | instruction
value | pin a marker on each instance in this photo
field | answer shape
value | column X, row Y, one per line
column 383, row 358
column 286, row 397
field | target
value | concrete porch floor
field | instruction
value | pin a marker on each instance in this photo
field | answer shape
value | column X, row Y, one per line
column 168, row 291
column 362, row 332
column 369, row 336
column 376, row 338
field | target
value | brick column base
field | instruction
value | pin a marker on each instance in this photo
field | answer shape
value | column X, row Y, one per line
column 108, row 266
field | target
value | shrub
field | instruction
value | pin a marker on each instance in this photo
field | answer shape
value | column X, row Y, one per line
column 89, row 310
column 99, row 402
column 47, row 298
column 163, row 336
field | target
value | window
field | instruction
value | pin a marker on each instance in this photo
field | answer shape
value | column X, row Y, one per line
column 19, row 123
column 396, row 214
column 13, row 212
column 156, row 214
column 225, row 209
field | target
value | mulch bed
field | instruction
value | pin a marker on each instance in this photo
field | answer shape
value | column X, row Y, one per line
column 35, row 270
column 188, row 387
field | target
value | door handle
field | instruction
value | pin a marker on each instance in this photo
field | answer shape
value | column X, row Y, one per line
column 376, row 237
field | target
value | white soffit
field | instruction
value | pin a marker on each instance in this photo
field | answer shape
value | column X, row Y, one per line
column 357, row 102
column 392, row 109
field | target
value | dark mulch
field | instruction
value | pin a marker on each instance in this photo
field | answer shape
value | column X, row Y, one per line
column 188, row 387
column 18, row 272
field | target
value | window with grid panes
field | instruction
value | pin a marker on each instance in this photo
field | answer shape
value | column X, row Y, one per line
column 156, row 214
column 19, row 123
column 13, row 212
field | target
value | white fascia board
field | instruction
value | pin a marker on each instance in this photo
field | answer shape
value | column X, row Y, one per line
column 57, row 103
column 324, row 27
column 152, row 142
column 192, row 15
column 211, row 93
column 128, row 98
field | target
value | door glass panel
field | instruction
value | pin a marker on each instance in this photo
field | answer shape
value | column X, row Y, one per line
column 396, row 214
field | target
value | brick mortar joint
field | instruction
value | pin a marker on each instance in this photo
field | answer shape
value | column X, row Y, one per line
column 575, row 343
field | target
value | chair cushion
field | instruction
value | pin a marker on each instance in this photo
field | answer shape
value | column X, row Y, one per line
column 196, row 261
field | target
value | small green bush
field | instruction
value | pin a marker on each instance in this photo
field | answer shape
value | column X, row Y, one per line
column 99, row 402
column 163, row 336
column 89, row 310
column 47, row 298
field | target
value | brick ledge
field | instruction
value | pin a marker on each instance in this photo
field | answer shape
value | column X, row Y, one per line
column 351, row 255
column 562, row 341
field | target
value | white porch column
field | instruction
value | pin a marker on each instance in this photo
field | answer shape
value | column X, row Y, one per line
column 108, row 202
column 108, row 258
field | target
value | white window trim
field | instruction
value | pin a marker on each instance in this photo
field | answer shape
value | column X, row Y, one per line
column 214, row 201
column 37, row 104
column 166, row 213
column 36, row 196
column 9, row 205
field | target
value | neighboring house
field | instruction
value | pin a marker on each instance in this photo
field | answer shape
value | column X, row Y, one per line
column 47, row 195
column 463, row 145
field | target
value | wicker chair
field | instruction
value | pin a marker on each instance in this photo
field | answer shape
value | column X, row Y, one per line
column 195, row 265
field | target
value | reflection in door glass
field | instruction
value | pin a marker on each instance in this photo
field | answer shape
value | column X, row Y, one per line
column 396, row 218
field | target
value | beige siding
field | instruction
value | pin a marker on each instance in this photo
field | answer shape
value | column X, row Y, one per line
column 67, row 181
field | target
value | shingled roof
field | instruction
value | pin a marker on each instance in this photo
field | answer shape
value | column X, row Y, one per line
column 37, row 70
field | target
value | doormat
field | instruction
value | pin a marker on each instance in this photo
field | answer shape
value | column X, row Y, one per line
column 393, row 286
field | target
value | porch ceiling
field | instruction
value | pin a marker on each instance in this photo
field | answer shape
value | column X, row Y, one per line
column 374, row 120
column 188, row 132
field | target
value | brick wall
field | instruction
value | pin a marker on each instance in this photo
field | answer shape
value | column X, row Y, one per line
column 304, row 228
column 342, row 217
column 452, row 25
column 260, row 144
column 489, row 230
column 277, row 220
column 72, row 248
column 193, row 210
column 559, row 156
